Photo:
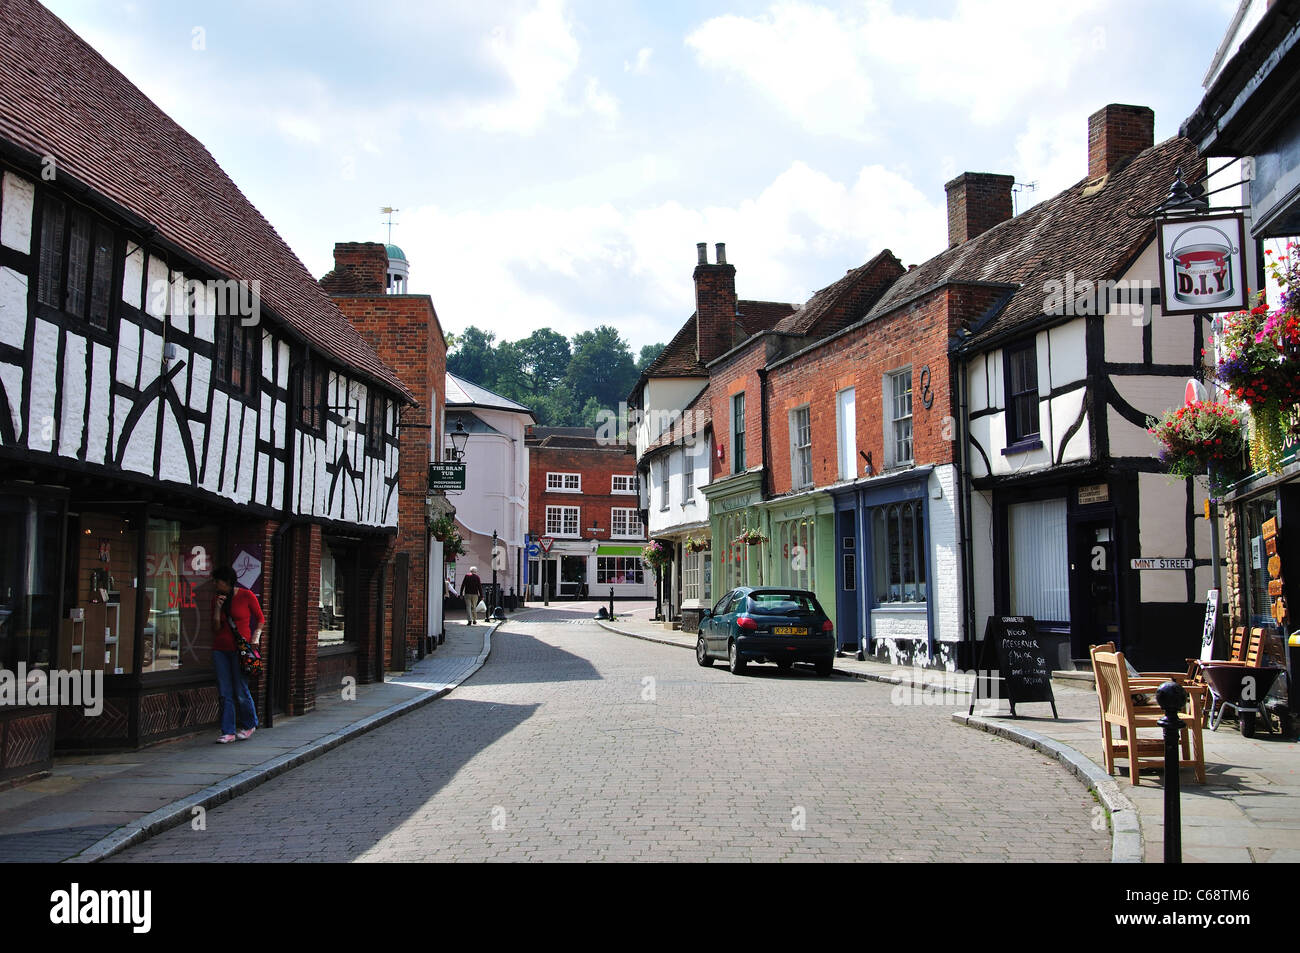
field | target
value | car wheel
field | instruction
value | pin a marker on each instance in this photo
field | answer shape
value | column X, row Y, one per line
column 735, row 664
column 784, row 664
column 702, row 654
column 825, row 667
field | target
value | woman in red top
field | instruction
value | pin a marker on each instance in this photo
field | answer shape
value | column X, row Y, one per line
column 235, row 609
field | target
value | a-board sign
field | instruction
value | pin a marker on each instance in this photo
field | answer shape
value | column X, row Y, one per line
column 1013, row 649
column 1211, row 621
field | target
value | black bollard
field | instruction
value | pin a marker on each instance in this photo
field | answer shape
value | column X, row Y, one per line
column 1171, row 697
column 611, row 602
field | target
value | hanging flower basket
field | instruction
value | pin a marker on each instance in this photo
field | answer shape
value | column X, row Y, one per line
column 751, row 537
column 693, row 545
column 1206, row 437
column 656, row 555
column 1260, row 365
column 452, row 547
column 442, row 528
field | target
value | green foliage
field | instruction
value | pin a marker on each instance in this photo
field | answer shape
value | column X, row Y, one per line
column 647, row 357
column 564, row 384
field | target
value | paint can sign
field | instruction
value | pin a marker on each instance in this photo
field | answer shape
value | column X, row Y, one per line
column 1201, row 273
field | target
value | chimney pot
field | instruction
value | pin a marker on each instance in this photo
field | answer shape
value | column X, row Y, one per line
column 721, row 249
column 702, row 253
column 1116, row 133
column 976, row 202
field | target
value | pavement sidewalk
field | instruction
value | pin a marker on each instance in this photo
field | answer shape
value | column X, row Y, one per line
column 1247, row 811
column 93, row 806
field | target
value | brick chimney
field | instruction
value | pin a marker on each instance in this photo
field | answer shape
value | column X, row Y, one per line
column 976, row 202
column 715, row 303
column 359, row 268
column 1116, row 133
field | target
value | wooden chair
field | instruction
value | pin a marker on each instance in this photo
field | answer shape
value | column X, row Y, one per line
column 1115, row 694
column 1192, row 681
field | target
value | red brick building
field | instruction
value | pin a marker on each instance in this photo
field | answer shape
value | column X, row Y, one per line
column 368, row 284
column 583, row 494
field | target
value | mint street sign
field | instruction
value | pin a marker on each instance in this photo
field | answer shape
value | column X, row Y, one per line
column 446, row 476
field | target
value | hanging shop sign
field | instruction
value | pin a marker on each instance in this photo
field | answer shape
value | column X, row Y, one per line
column 1202, row 264
column 446, row 476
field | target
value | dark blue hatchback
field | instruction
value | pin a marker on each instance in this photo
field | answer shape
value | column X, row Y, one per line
column 767, row 624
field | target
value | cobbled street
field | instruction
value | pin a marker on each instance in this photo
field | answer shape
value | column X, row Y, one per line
column 574, row 743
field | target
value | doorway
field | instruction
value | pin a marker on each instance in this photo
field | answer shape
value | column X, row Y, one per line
column 1094, row 582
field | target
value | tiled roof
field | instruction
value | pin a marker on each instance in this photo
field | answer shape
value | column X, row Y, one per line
column 812, row 317
column 463, row 393
column 59, row 97
column 1085, row 230
column 758, row 316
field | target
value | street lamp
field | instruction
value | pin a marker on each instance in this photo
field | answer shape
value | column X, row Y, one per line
column 458, row 437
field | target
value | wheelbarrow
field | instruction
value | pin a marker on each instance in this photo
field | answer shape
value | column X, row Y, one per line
column 1242, row 688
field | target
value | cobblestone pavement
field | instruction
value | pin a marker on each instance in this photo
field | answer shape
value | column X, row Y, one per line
column 573, row 743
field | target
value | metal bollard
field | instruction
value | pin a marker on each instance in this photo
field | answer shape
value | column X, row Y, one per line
column 1171, row 697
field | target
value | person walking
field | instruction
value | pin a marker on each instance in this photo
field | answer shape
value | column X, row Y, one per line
column 235, row 612
column 471, row 587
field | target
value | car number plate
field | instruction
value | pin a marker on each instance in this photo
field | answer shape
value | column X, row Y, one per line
column 790, row 630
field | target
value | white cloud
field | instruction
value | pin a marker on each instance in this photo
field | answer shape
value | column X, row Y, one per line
column 515, row 270
column 539, row 56
column 1052, row 151
column 642, row 63
column 990, row 58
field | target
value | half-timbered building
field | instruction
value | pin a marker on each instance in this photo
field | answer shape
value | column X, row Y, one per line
column 176, row 392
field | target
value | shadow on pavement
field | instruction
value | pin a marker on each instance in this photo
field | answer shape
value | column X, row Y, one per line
column 519, row 658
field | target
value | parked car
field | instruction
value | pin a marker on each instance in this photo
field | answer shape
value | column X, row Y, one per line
column 766, row 624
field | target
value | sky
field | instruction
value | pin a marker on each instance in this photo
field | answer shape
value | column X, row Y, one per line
column 555, row 162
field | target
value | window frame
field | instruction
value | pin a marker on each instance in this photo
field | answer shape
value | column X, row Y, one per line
column 688, row 479
column 628, row 490
column 561, row 533
column 563, row 482
column 887, row 518
column 801, row 467
column 894, row 421
column 632, row 519
column 738, row 432
column 108, row 290
column 1017, row 425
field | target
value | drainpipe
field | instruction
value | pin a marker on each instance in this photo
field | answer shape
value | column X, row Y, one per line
column 964, row 517
column 765, row 488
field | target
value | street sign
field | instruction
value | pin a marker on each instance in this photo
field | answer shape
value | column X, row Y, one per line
column 546, row 542
column 446, row 476
column 532, row 550
column 1163, row 562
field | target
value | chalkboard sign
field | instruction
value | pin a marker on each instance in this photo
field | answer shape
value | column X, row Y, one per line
column 1013, row 649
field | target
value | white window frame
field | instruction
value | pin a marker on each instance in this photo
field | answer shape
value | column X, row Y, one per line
column 691, row 564
column 629, row 484
column 561, row 520
column 737, row 399
column 688, row 479
column 564, row 483
column 664, row 473
column 846, row 436
column 631, row 520
column 801, row 468
column 894, row 422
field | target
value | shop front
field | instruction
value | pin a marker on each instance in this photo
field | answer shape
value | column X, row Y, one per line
column 733, row 509
column 802, row 550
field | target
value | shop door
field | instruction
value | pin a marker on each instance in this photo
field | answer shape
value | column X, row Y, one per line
column 846, row 579
column 1094, row 585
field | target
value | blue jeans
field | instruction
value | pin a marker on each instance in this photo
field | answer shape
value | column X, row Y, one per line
column 234, row 690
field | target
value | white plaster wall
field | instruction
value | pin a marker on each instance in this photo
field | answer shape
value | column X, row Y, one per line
column 977, row 391
column 946, row 587
column 1123, row 338
column 13, row 308
column 72, row 423
column 154, row 302
column 16, row 204
column 97, row 424
column 132, row 274
column 11, row 379
column 892, row 624
column 1068, row 344
column 1152, row 396
column 40, row 417
column 1162, row 505
column 1173, row 339
column 981, row 558
column 174, row 465
column 1064, row 410
column 679, row 512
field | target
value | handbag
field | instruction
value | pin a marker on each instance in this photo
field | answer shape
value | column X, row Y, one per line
column 250, row 659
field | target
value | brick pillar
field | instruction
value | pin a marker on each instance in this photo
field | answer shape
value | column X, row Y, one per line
column 365, row 263
column 715, row 305
column 976, row 202
column 305, row 618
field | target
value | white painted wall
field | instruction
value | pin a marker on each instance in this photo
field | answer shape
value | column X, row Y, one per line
column 680, row 513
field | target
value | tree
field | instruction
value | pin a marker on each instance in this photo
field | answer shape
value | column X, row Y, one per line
column 475, row 358
column 543, row 360
column 601, row 367
column 648, row 355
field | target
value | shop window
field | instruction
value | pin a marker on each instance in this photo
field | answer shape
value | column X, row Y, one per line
column 794, row 539
column 337, row 587
column 619, row 570
column 1258, row 602
column 691, row 576
column 178, row 596
column 1039, row 560
column 106, row 558
column 1021, row 363
column 734, row 556
column 77, row 256
column 898, row 536
column 29, row 580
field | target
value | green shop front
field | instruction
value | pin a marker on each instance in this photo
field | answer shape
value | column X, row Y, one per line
column 734, row 508
column 800, row 552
